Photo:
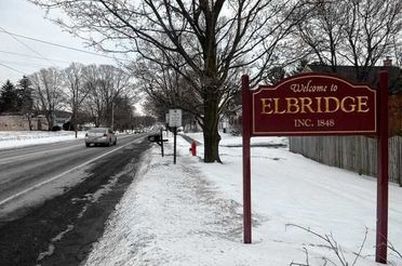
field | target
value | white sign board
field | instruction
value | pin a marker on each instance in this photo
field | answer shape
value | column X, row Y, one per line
column 174, row 118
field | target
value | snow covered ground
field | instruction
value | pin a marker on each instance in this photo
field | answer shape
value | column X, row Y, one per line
column 14, row 139
column 191, row 213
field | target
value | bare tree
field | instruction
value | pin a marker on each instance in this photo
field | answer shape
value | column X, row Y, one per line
column 76, row 92
column 163, row 96
column 370, row 30
column 330, row 243
column 207, row 42
column 323, row 30
column 93, row 104
column 397, row 49
column 113, row 83
column 166, row 89
column 105, row 84
column 359, row 33
column 47, row 85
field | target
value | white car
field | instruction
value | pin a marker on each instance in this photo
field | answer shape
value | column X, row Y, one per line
column 101, row 135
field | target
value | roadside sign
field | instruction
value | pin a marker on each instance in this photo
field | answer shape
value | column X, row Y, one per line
column 175, row 118
column 318, row 104
column 314, row 104
column 174, row 122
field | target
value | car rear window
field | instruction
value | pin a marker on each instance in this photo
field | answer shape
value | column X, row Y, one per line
column 97, row 130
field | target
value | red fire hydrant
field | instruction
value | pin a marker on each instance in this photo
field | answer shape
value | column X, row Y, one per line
column 193, row 148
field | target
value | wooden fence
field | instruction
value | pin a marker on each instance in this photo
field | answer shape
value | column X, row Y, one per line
column 356, row 153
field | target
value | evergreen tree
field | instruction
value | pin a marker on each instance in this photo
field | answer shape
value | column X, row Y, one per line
column 25, row 100
column 300, row 66
column 275, row 74
column 9, row 98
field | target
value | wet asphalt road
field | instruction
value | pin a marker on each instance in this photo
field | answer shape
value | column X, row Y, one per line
column 62, row 229
column 24, row 168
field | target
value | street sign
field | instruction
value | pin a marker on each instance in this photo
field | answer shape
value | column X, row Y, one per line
column 175, row 118
column 174, row 123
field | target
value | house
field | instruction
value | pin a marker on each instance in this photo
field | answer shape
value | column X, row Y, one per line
column 60, row 118
column 231, row 119
column 16, row 122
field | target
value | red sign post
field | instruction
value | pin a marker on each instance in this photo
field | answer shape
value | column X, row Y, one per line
column 318, row 104
column 382, row 172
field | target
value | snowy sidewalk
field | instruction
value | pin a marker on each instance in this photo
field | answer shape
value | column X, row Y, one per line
column 171, row 216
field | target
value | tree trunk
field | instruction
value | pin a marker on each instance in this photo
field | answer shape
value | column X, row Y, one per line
column 39, row 124
column 49, row 118
column 210, row 128
column 73, row 123
column 29, row 121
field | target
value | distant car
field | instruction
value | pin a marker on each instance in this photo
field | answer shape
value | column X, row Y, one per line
column 101, row 135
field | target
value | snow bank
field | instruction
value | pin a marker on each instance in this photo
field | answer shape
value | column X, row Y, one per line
column 14, row 139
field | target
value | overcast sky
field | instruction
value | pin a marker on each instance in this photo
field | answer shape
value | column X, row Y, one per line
column 23, row 18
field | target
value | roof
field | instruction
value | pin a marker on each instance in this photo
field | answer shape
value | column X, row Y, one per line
column 98, row 129
column 363, row 75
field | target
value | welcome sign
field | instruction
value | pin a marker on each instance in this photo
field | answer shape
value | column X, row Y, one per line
column 313, row 104
column 318, row 104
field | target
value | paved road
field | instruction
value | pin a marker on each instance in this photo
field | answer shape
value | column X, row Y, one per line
column 25, row 169
column 72, row 208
